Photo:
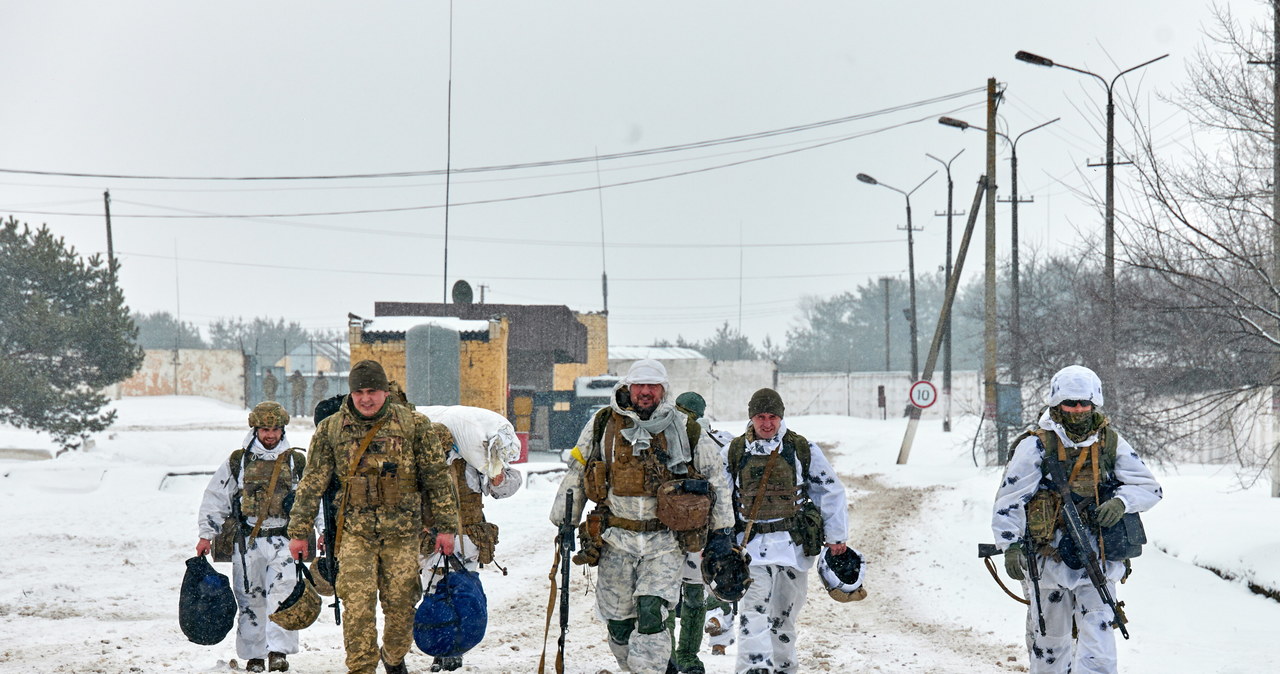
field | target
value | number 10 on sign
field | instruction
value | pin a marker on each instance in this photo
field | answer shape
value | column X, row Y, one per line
column 923, row 394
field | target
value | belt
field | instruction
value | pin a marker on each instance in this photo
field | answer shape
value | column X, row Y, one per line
column 784, row 524
column 635, row 525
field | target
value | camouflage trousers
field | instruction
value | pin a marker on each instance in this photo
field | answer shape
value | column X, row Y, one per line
column 1068, row 598
column 371, row 572
column 768, row 614
column 622, row 579
column 271, row 579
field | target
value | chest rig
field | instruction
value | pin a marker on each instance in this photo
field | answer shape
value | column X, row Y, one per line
column 385, row 470
column 774, row 488
column 1091, row 468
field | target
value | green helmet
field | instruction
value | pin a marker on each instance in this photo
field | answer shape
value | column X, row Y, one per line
column 302, row 606
column 268, row 414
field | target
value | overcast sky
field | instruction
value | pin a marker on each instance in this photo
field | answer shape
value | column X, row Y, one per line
column 736, row 232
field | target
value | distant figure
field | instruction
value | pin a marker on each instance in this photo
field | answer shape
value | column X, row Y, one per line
column 298, row 387
column 269, row 385
column 319, row 388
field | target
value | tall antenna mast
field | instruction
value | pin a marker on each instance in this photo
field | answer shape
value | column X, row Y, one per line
column 448, row 160
column 604, row 274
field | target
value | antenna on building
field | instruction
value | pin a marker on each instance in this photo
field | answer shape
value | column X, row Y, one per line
column 448, row 157
column 604, row 274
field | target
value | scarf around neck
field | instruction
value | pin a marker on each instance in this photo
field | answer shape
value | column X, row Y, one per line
column 665, row 420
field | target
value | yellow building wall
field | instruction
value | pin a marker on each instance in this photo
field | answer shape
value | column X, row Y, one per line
column 482, row 375
column 597, row 325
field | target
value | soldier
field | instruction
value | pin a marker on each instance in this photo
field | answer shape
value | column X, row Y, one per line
column 261, row 476
column 269, row 385
column 478, row 538
column 789, row 502
column 389, row 467
column 694, row 599
column 1108, row 480
column 320, row 388
column 626, row 452
column 298, row 387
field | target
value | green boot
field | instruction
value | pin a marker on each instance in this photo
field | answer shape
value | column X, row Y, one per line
column 693, row 612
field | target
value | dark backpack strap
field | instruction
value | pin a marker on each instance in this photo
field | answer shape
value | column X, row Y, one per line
column 235, row 463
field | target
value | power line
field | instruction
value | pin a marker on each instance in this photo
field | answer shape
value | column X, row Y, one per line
column 539, row 164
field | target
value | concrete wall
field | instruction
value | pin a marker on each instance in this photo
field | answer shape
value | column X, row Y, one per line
column 856, row 394
column 212, row 373
column 726, row 385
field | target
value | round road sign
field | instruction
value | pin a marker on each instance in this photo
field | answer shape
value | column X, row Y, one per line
column 923, row 394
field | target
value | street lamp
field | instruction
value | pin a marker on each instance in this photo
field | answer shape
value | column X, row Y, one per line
column 1033, row 59
column 1015, row 323
column 911, row 264
column 946, row 339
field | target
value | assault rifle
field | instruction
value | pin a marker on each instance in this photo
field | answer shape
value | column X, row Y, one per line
column 566, row 552
column 988, row 550
column 1080, row 536
column 327, row 565
column 241, row 542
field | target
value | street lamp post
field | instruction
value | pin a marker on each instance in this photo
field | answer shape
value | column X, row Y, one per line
column 911, row 264
column 946, row 338
column 1028, row 57
column 1015, row 320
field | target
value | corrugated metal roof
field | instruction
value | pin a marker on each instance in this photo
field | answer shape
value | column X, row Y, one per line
column 654, row 352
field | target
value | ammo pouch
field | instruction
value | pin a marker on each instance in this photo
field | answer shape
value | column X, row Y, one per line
column 1044, row 512
column 692, row 540
column 224, row 544
column 367, row 491
column 807, row 530
column 628, row 478
column 595, row 481
column 485, row 537
column 685, row 505
column 590, row 543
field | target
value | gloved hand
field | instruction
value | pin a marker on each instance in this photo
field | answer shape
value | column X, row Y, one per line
column 720, row 544
column 1109, row 513
column 1015, row 562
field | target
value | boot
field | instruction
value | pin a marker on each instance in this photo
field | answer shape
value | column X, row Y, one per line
column 435, row 664
column 714, row 628
column 395, row 669
column 717, row 649
column 692, row 615
column 276, row 662
column 451, row 663
column 255, row 665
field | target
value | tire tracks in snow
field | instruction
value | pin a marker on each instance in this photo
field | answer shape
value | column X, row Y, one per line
column 888, row 631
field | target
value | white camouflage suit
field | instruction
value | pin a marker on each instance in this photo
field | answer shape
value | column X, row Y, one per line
column 637, row 564
column 512, row 479
column 780, row 570
column 270, row 570
column 1067, row 594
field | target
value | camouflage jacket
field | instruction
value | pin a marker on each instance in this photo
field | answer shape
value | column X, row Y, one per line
column 404, row 448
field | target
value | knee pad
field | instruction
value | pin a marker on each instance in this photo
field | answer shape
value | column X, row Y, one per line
column 649, row 611
column 620, row 630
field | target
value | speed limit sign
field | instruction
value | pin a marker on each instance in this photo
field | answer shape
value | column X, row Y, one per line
column 923, row 394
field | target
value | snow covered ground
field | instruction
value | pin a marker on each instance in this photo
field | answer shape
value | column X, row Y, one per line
column 92, row 546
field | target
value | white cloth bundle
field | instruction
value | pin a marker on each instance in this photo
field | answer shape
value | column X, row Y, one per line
column 486, row 440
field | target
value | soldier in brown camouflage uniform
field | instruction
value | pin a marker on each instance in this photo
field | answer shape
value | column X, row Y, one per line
column 385, row 488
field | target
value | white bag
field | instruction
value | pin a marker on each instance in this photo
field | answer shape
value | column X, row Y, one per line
column 486, row 440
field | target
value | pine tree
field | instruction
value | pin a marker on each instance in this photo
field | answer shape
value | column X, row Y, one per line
column 65, row 334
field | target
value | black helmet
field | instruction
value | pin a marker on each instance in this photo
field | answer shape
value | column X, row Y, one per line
column 842, row 574
column 726, row 574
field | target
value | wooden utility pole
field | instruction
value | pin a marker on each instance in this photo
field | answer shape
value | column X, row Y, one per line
column 989, row 329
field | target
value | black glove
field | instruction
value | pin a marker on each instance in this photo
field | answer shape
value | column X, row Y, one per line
column 720, row 544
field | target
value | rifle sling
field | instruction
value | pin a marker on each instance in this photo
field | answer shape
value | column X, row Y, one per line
column 351, row 471
column 759, row 499
column 271, row 489
column 551, row 608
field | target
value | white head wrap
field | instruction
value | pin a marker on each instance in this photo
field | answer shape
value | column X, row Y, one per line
column 1075, row 382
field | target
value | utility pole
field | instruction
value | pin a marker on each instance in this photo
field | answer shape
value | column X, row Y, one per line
column 989, row 329
column 884, row 282
column 111, row 249
column 1275, row 233
column 946, row 339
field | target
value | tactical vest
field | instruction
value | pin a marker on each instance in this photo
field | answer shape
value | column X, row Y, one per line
column 782, row 496
column 257, row 476
column 617, row 468
column 1089, row 468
